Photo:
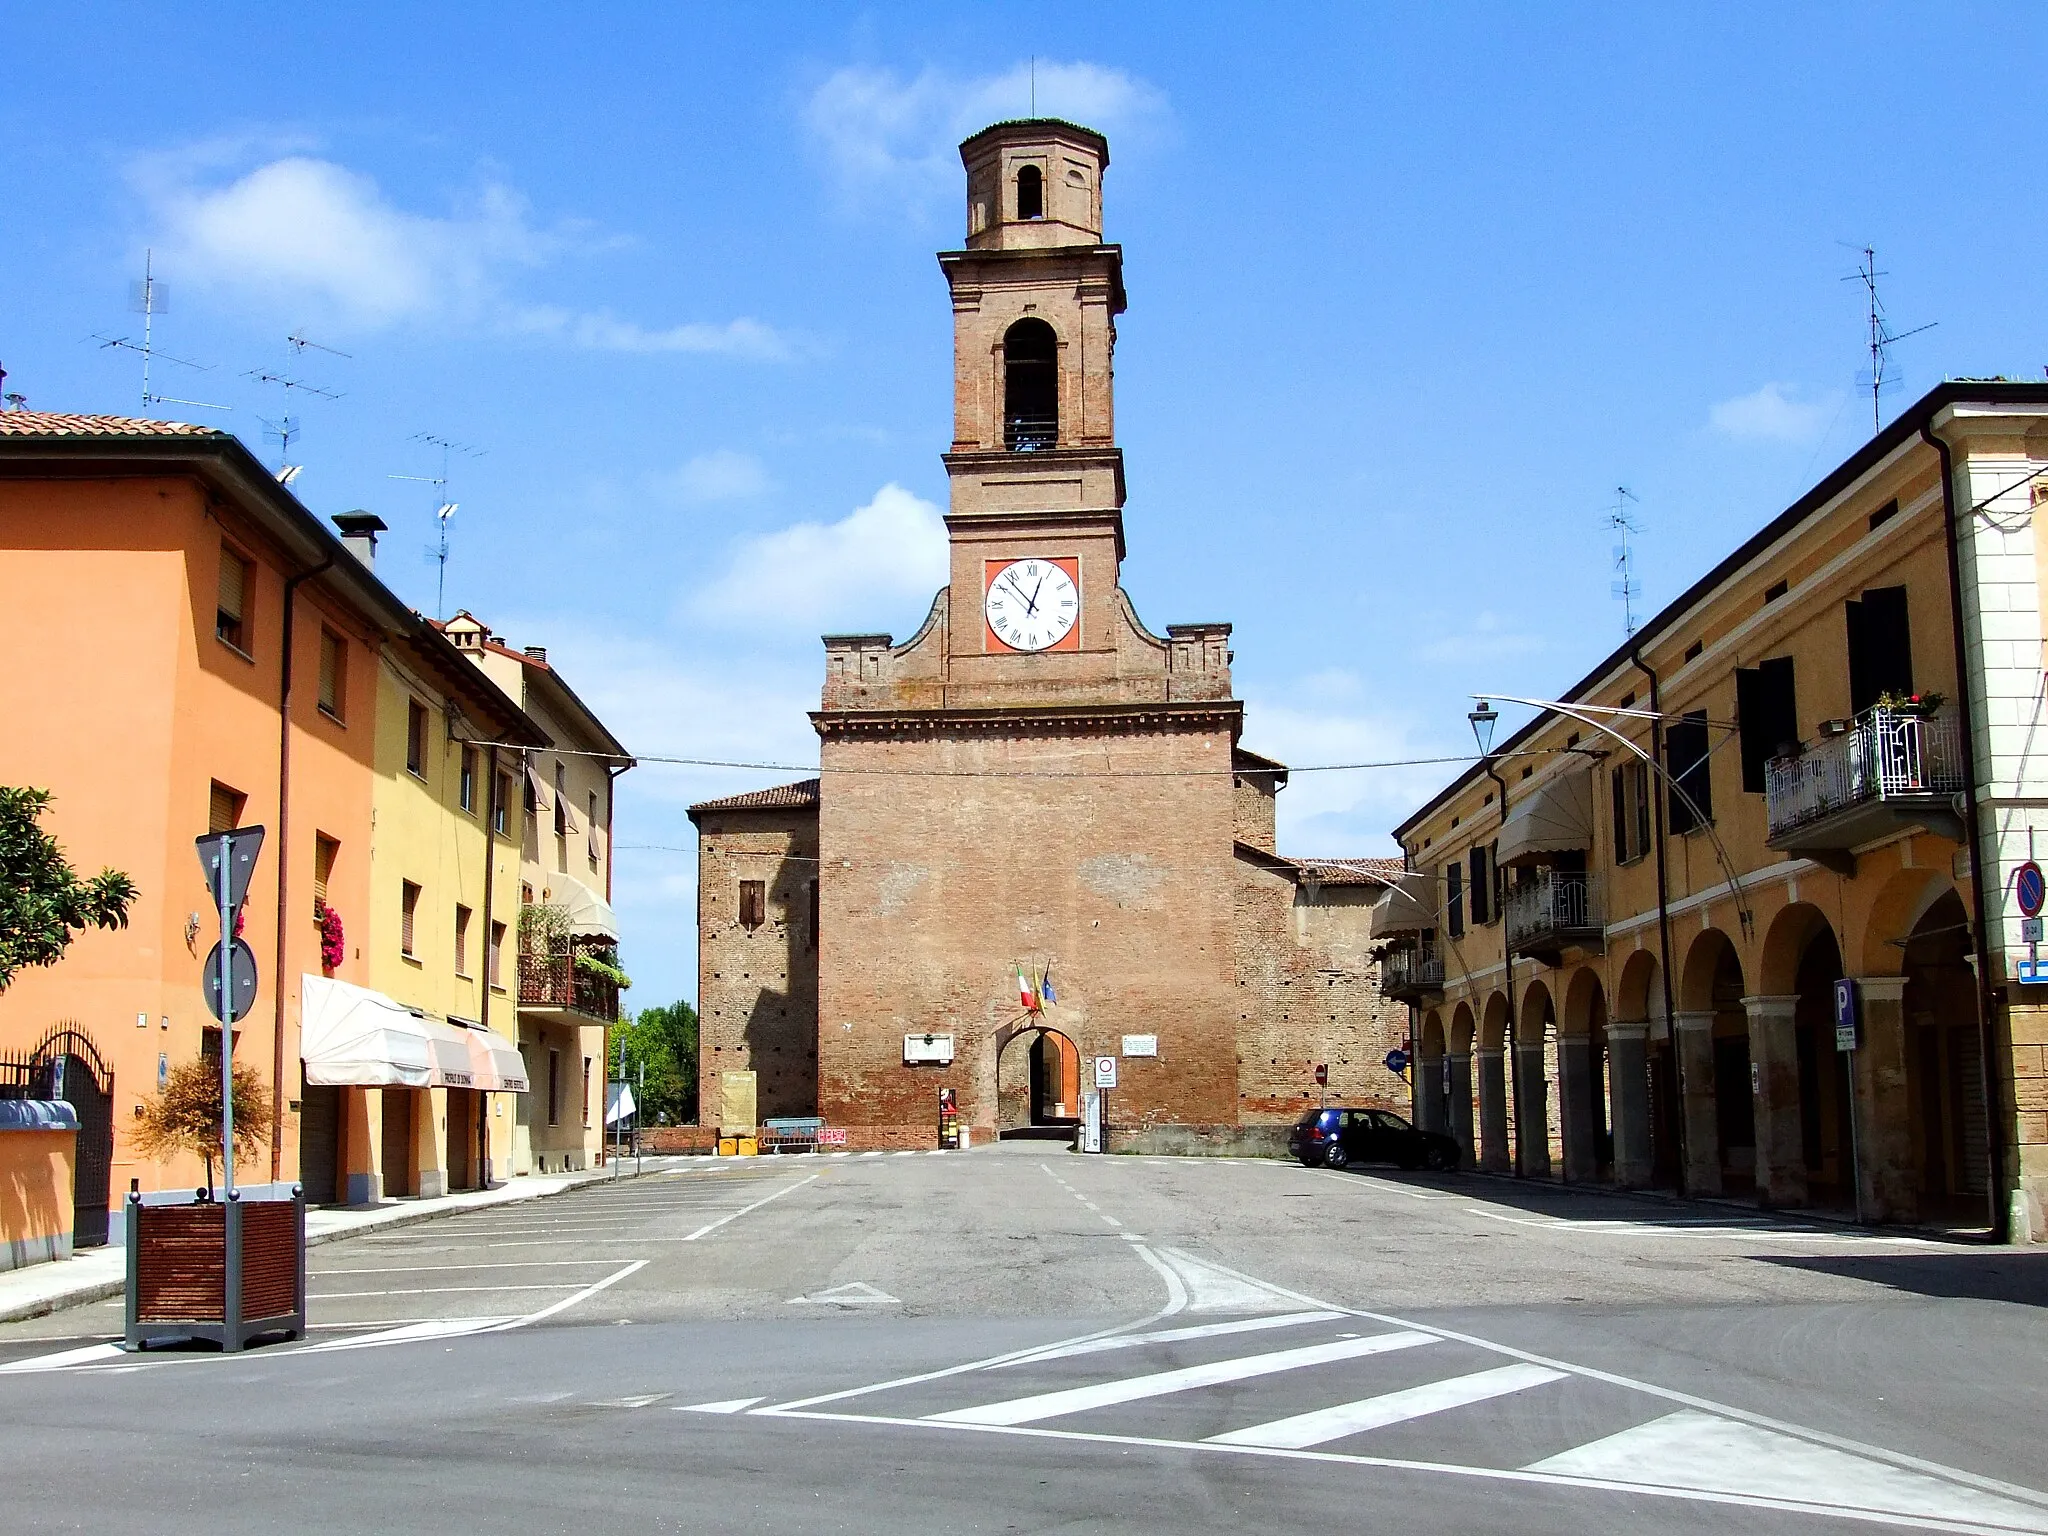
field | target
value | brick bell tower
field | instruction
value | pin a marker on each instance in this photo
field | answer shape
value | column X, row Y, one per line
column 1034, row 780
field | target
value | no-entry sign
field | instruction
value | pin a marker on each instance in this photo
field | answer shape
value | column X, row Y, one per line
column 2029, row 887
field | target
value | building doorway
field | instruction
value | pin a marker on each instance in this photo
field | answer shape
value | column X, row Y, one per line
column 1038, row 1085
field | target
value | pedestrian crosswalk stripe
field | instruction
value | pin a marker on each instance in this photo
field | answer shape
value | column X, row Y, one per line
column 1051, row 1405
column 1172, row 1336
column 1327, row 1424
column 1704, row 1453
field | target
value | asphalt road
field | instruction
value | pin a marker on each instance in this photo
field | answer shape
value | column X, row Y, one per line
column 1019, row 1339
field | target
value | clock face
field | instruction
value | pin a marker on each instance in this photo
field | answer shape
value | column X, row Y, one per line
column 1032, row 604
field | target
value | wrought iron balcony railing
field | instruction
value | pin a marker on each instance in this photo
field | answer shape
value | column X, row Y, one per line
column 1905, row 759
column 1412, row 972
column 1556, row 909
column 554, row 981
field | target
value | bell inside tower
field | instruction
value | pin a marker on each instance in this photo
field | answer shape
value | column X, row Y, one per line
column 1031, row 386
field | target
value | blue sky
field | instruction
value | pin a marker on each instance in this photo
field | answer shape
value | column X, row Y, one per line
column 1412, row 290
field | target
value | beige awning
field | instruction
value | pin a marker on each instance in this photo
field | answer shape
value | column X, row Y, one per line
column 1409, row 906
column 538, row 787
column 590, row 915
column 1558, row 818
column 495, row 1062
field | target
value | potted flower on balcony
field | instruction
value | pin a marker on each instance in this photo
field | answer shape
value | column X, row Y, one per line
column 1922, row 705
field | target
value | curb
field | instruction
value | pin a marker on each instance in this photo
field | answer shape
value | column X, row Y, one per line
column 100, row 1290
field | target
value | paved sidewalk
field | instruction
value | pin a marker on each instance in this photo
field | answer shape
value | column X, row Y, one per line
column 94, row 1274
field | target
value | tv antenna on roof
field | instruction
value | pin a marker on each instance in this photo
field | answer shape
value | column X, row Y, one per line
column 149, row 298
column 1881, row 375
column 444, row 511
column 281, row 432
column 1626, row 588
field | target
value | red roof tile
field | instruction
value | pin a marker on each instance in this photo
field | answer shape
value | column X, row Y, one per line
column 783, row 797
column 63, row 424
column 1351, row 871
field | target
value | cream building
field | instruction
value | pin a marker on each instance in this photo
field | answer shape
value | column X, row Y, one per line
column 1789, row 961
column 568, row 989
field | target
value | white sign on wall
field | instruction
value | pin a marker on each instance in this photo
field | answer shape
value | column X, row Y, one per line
column 1105, row 1071
column 1141, row 1045
column 927, row 1050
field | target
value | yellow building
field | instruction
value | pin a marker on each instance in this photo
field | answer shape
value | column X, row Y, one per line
column 1623, row 932
column 430, row 1075
column 568, row 995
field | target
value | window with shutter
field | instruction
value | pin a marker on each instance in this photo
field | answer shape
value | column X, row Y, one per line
column 753, row 903
column 1454, row 899
column 325, row 851
column 500, row 810
column 494, row 961
column 1617, row 793
column 592, row 829
column 1685, row 759
column 232, row 617
column 224, row 808
column 1481, row 910
column 408, row 911
column 416, row 737
column 1641, row 772
column 333, row 673
column 467, row 787
column 462, row 916
column 1767, row 712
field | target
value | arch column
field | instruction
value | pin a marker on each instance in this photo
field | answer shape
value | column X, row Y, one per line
column 1459, row 1071
column 1628, row 1089
column 1532, row 1113
column 1574, row 1094
column 1774, row 1080
column 1429, row 1092
column 1887, row 1169
column 1694, row 1043
column 1493, row 1110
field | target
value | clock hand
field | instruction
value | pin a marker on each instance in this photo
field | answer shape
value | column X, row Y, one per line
column 1018, row 590
column 1031, row 603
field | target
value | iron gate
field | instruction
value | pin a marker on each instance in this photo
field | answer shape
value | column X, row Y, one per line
column 71, row 1068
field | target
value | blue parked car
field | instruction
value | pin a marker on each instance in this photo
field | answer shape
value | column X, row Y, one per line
column 1337, row 1138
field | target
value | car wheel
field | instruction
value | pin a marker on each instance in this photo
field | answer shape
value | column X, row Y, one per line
column 1442, row 1159
column 1336, row 1157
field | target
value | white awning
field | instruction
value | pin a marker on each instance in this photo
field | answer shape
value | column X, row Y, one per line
column 1558, row 818
column 1408, row 906
column 589, row 913
column 350, row 1036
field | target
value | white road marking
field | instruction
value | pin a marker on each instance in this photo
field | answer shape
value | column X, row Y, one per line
column 705, row 1231
column 641, row 1401
column 855, row 1293
column 437, row 1328
column 871, row 1154
column 1050, row 1405
column 1733, row 1228
column 1176, row 1292
column 1212, row 1288
column 63, row 1359
column 1327, row 1424
column 1701, row 1452
column 730, row 1405
column 441, row 1290
column 910, row 1153
column 1174, row 1336
column 428, row 1269
column 569, row 1301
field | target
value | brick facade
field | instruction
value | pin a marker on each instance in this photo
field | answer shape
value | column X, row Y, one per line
column 1072, row 801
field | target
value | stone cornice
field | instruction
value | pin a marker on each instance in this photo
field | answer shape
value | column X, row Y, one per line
column 1026, row 719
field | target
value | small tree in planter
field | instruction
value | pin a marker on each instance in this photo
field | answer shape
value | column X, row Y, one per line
column 185, row 1115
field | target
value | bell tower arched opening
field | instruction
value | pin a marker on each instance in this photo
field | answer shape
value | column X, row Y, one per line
column 1031, row 386
column 1030, row 193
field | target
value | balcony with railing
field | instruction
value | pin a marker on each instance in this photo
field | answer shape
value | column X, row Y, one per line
column 1890, row 768
column 555, row 982
column 1558, row 910
column 1412, row 974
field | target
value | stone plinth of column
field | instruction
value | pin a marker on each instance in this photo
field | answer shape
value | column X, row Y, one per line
column 1628, row 1089
column 1532, row 1114
column 1887, row 1164
column 1429, row 1092
column 1574, row 1099
column 1493, row 1111
column 1693, row 1040
column 1458, row 1066
column 1774, row 1085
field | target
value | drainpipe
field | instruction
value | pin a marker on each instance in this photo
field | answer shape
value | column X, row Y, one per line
column 284, row 854
column 1676, row 1111
column 490, row 870
column 1987, row 994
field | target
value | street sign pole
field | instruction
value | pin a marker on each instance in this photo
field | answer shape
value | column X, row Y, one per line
column 221, row 879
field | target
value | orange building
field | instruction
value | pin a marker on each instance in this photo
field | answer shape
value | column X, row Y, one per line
column 188, row 648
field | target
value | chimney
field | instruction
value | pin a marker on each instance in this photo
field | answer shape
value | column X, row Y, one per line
column 537, row 653
column 359, row 530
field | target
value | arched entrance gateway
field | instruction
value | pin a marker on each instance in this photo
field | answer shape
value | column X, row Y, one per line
column 1038, row 1084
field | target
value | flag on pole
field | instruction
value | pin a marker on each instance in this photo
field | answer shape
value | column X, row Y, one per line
column 1026, row 998
column 1045, row 992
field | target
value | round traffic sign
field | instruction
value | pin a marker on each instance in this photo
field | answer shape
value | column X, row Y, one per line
column 1397, row 1061
column 241, row 981
column 2031, row 888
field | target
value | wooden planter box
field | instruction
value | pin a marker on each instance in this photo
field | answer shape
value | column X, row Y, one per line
column 221, row 1271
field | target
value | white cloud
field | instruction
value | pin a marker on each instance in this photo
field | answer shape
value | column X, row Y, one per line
column 1775, row 413
column 811, row 576
column 301, row 232
column 721, row 475
column 1329, row 719
column 878, row 129
column 1483, row 637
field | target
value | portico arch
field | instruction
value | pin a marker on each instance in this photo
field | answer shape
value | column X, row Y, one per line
column 1038, row 1082
column 1431, row 1113
column 1535, row 1034
column 1712, row 1031
column 1582, row 1078
column 1459, row 1082
column 1490, row 1067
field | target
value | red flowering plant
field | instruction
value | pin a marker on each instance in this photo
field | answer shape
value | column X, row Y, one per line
column 332, row 950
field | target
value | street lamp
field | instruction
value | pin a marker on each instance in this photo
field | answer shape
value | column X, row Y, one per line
column 1483, row 719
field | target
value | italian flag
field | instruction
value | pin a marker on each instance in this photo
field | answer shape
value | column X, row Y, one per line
column 1027, row 999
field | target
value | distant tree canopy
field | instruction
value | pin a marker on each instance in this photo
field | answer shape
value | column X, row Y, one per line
column 665, row 1039
column 43, row 903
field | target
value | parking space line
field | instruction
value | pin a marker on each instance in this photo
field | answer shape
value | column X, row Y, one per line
column 707, row 1230
column 427, row 1269
column 439, row 1290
